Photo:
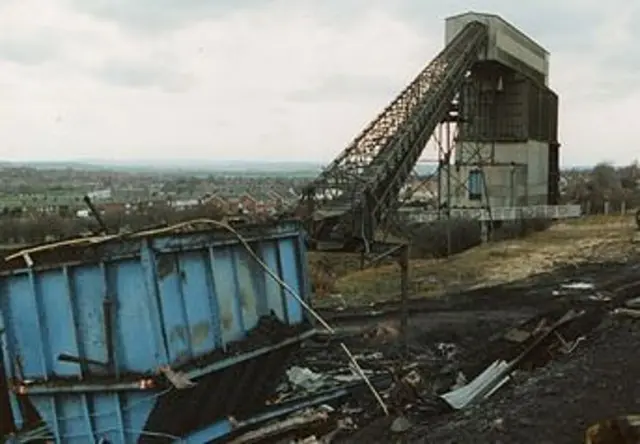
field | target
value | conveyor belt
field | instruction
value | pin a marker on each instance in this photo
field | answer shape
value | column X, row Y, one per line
column 354, row 193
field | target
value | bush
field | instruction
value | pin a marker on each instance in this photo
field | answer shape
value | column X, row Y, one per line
column 432, row 239
column 43, row 228
column 519, row 228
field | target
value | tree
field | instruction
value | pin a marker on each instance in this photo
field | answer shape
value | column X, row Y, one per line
column 604, row 183
column 629, row 176
column 605, row 186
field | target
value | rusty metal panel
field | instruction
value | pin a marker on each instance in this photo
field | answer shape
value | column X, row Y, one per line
column 543, row 113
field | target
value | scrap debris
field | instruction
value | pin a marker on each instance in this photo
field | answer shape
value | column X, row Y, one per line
column 178, row 379
column 621, row 430
column 305, row 378
column 499, row 372
column 305, row 419
column 633, row 303
column 630, row 312
column 483, row 386
column 432, row 378
column 582, row 290
column 428, row 383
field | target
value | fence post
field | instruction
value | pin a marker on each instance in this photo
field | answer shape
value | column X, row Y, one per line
column 484, row 231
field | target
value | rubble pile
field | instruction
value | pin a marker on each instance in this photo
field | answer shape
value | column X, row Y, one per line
column 502, row 382
column 558, row 403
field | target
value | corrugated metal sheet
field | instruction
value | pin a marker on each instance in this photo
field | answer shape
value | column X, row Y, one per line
column 554, row 174
column 483, row 386
column 520, row 110
column 173, row 298
column 122, row 310
column 238, row 390
column 498, row 111
column 6, row 418
column 543, row 113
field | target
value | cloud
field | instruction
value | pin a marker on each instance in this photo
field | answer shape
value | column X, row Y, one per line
column 32, row 51
column 136, row 74
column 277, row 79
column 344, row 87
column 162, row 15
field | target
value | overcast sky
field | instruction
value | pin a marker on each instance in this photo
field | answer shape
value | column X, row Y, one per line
column 279, row 80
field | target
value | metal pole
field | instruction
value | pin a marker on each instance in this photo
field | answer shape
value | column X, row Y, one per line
column 448, row 159
column 404, row 297
column 96, row 214
column 441, row 158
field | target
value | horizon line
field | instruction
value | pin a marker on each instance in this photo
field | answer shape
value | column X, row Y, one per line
column 150, row 162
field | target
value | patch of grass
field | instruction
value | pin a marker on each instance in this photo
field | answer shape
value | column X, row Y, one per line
column 598, row 238
column 603, row 219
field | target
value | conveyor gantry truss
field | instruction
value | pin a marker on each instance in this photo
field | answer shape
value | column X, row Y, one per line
column 356, row 192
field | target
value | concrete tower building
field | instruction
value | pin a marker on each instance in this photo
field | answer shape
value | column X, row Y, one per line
column 507, row 149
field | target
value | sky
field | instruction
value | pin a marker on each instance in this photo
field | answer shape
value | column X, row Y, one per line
column 280, row 80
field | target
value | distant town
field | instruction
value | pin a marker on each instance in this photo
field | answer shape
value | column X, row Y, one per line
column 28, row 190
column 59, row 189
column 40, row 202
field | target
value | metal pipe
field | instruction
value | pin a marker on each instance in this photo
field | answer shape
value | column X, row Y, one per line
column 449, row 147
column 404, row 297
column 95, row 213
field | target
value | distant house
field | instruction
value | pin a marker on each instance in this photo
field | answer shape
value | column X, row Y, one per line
column 104, row 194
column 249, row 203
column 219, row 203
column 112, row 207
column 185, row 204
column 253, row 201
column 277, row 201
column 420, row 190
column 83, row 213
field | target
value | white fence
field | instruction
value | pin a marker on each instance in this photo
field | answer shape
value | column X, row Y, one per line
column 554, row 212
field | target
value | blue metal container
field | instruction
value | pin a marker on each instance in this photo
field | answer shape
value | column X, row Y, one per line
column 85, row 331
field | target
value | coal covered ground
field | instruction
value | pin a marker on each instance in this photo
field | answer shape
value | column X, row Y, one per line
column 551, row 404
column 557, row 403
